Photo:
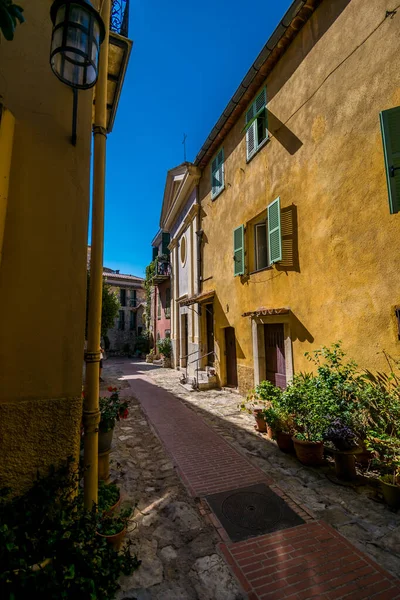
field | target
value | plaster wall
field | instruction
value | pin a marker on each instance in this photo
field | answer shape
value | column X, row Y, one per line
column 324, row 159
column 43, row 267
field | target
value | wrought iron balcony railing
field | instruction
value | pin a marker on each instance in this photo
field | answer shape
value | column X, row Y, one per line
column 163, row 268
column 119, row 17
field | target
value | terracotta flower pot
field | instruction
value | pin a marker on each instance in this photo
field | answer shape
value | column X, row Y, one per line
column 261, row 423
column 309, row 453
column 345, row 466
column 391, row 494
column 115, row 540
column 284, row 441
column 270, row 432
column 105, row 441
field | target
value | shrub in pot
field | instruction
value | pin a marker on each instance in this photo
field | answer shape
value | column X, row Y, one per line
column 386, row 449
column 265, row 396
column 341, row 435
column 113, row 528
column 50, row 521
column 109, row 498
column 165, row 348
column 112, row 409
column 302, row 398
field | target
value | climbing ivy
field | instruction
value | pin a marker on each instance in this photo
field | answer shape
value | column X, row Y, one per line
column 148, row 284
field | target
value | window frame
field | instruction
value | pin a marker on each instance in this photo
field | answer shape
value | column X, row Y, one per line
column 256, row 226
column 121, row 320
column 252, row 123
column 219, row 166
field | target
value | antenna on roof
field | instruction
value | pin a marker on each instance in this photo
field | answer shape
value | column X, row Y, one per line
column 184, row 147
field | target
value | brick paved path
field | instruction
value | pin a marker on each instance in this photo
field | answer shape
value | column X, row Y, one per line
column 308, row 561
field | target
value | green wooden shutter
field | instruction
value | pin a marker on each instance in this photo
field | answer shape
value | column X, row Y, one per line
column 238, row 250
column 274, row 231
column 251, row 145
column 390, row 127
column 165, row 243
column 217, row 174
column 155, row 253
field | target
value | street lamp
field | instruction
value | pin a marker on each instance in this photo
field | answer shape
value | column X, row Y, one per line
column 78, row 31
column 75, row 44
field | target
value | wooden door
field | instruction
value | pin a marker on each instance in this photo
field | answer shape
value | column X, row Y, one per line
column 275, row 364
column 209, row 308
column 230, row 351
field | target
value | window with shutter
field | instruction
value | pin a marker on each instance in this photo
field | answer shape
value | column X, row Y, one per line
column 256, row 124
column 238, row 250
column 261, row 250
column 217, row 174
column 159, row 306
column 274, row 231
column 155, row 253
column 121, row 323
column 390, row 127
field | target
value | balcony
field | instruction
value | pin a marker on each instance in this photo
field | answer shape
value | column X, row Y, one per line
column 119, row 51
column 119, row 17
column 163, row 270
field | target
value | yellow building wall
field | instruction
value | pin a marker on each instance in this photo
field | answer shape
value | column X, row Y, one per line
column 43, row 268
column 340, row 276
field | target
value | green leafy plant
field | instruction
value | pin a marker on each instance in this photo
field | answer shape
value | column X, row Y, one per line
column 109, row 308
column 148, row 285
column 303, row 400
column 9, row 15
column 142, row 344
column 112, row 409
column 165, row 347
column 108, row 496
column 49, row 547
column 386, row 449
column 113, row 524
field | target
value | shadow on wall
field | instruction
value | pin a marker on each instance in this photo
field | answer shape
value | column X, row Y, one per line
column 222, row 318
column 283, row 134
column 321, row 21
column 298, row 331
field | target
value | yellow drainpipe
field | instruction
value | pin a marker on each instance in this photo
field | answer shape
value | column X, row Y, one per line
column 91, row 412
column 7, row 122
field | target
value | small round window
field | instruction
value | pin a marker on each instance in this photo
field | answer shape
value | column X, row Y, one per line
column 183, row 250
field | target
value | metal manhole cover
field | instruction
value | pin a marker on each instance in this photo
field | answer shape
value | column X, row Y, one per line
column 252, row 511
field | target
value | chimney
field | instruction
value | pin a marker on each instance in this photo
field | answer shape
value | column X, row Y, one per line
column 117, row 272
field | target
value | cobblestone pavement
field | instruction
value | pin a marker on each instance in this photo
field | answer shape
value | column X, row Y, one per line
column 369, row 525
column 176, row 545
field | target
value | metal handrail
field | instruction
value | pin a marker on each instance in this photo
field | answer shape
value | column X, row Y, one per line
column 197, row 366
column 186, row 366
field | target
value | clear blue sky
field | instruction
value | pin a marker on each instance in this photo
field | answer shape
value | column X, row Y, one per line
column 187, row 60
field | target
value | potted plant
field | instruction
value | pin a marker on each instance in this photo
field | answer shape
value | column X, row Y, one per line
column 113, row 528
column 112, row 409
column 165, row 348
column 263, row 397
column 271, row 418
column 284, row 431
column 109, row 498
column 150, row 356
column 386, row 449
column 304, row 400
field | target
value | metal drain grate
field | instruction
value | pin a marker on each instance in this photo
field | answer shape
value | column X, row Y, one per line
column 252, row 511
